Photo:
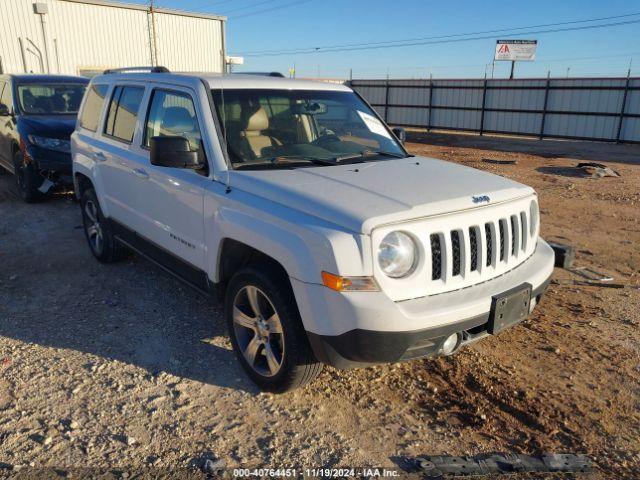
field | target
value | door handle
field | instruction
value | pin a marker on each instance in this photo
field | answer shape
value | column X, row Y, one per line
column 100, row 157
column 140, row 172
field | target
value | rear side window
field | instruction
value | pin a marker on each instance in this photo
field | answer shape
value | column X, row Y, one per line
column 90, row 115
column 172, row 114
column 123, row 112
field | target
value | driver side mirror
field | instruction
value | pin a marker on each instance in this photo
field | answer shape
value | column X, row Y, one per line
column 173, row 152
column 401, row 134
column 4, row 110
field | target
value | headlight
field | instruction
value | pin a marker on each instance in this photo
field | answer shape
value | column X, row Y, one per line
column 534, row 217
column 397, row 255
column 56, row 144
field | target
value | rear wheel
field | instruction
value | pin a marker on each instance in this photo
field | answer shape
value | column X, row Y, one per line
column 28, row 179
column 267, row 333
column 98, row 231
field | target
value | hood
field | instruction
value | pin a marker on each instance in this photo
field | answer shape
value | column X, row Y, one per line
column 53, row 126
column 360, row 197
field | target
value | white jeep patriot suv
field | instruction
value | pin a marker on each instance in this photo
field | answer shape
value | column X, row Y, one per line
column 301, row 209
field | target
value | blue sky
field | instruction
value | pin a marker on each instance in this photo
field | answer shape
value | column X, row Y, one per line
column 258, row 25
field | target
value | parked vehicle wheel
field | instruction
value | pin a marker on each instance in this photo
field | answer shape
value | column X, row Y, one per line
column 28, row 180
column 102, row 243
column 267, row 333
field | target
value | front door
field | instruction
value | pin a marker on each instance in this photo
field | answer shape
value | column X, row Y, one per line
column 173, row 197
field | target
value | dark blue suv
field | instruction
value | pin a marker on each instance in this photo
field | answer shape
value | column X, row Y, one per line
column 37, row 116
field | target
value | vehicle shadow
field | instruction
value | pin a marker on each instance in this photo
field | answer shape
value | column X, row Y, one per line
column 582, row 150
column 573, row 172
column 53, row 293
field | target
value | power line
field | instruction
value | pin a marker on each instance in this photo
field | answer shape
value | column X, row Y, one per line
column 279, row 7
column 252, row 5
column 544, row 25
column 209, row 4
column 426, row 40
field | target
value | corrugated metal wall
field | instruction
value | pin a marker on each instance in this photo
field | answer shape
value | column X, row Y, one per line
column 94, row 35
column 579, row 108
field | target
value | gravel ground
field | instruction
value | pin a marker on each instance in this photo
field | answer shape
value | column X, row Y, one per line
column 110, row 371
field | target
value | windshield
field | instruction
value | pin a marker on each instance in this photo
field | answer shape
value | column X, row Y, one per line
column 50, row 99
column 272, row 128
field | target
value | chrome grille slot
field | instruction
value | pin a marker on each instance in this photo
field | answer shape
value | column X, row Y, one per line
column 456, row 254
column 514, row 234
column 489, row 235
column 524, row 230
column 436, row 257
column 473, row 243
column 502, row 228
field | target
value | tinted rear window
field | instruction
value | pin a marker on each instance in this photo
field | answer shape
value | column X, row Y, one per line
column 123, row 112
column 90, row 115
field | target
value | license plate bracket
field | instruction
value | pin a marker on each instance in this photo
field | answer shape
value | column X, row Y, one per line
column 509, row 307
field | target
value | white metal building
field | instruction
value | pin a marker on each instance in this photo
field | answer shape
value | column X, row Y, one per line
column 87, row 36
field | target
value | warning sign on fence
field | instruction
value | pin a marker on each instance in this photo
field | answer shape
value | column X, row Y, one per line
column 516, row 50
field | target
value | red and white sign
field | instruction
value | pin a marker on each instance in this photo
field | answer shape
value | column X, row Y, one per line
column 516, row 50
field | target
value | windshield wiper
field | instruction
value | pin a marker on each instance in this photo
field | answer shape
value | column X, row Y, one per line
column 294, row 158
column 283, row 160
column 366, row 153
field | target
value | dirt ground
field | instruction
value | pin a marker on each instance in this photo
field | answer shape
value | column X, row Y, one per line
column 113, row 370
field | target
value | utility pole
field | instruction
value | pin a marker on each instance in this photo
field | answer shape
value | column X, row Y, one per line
column 513, row 64
column 154, row 36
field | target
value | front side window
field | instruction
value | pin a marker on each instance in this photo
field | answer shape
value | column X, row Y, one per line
column 90, row 115
column 123, row 112
column 173, row 114
column 266, row 128
column 50, row 98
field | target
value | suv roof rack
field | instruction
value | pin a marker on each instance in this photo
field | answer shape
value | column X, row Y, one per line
column 264, row 74
column 137, row 69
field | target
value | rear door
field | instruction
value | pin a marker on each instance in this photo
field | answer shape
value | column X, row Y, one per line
column 118, row 157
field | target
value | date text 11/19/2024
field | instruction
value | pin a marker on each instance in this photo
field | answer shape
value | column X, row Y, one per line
column 315, row 472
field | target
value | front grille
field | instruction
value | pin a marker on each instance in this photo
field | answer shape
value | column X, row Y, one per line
column 455, row 250
column 506, row 237
column 473, row 244
column 436, row 257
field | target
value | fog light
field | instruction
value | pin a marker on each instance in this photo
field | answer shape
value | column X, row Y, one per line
column 450, row 344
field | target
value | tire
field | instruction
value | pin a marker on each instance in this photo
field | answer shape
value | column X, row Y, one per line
column 28, row 180
column 98, row 232
column 281, row 361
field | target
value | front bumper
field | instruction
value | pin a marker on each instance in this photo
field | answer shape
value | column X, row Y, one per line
column 363, row 328
column 50, row 160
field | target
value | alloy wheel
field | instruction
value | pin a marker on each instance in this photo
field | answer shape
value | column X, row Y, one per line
column 93, row 227
column 258, row 331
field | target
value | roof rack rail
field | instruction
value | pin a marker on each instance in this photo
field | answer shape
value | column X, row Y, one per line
column 263, row 74
column 137, row 69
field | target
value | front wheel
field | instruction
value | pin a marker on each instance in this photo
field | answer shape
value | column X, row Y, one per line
column 28, row 179
column 266, row 331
